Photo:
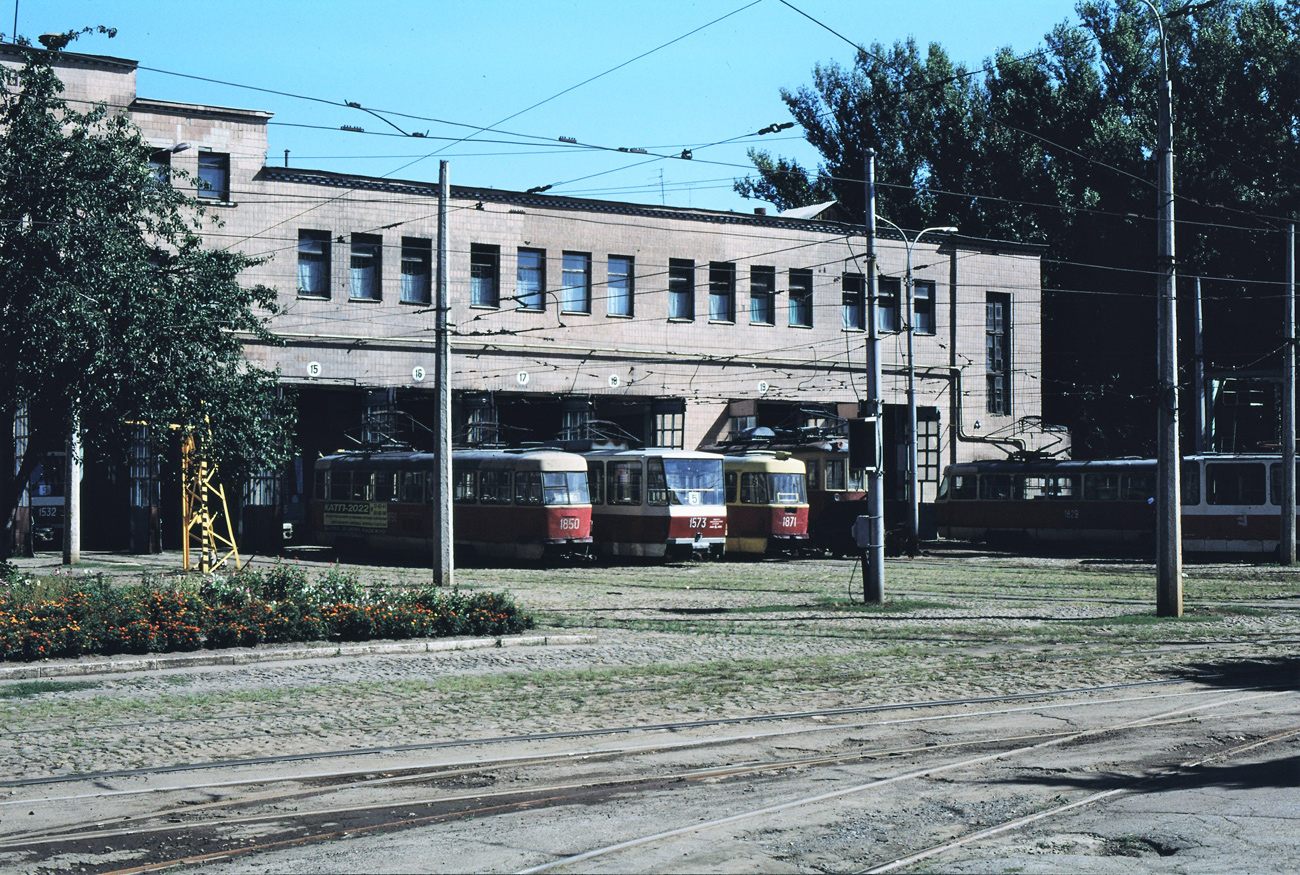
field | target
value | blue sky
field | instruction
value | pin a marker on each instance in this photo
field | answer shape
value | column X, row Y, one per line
column 478, row 64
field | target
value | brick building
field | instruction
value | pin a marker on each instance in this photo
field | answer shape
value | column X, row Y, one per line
column 673, row 326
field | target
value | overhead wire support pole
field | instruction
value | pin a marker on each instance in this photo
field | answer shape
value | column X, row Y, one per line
column 913, row 481
column 1169, row 524
column 443, row 570
column 873, row 568
column 1287, row 548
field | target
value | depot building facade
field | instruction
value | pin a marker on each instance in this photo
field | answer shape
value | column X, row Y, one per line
column 574, row 318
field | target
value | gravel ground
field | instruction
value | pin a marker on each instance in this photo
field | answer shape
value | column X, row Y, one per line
column 676, row 643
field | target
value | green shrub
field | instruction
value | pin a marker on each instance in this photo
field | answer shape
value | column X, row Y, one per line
column 63, row 616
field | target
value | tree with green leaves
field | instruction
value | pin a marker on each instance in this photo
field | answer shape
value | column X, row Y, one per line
column 1057, row 147
column 112, row 311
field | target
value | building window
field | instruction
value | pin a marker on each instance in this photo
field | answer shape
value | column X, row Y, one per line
column 160, row 163
column 681, row 288
column 314, row 263
column 741, row 424
column 923, row 307
column 417, row 270
column 887, row 309
column 618, row 289
column 575, row 283
column 214, row 175
column 530, row 282
column 927, row 453
column 484, row 274
column 670, row 429
column 801, row 297
column 366, row 263
column 722, row 291
column 762, row 295
column 854, row 297
column 997, row 344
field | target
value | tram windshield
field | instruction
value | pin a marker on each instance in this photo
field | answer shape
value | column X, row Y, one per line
column 787, row 489
column 565, row 487
column 686, row 481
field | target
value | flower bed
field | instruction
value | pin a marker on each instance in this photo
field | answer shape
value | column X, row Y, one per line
column 63, row 616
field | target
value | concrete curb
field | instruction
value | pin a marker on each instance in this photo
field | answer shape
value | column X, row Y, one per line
column 29, row 671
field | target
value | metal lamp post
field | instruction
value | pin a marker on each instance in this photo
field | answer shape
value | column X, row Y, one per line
column 913, row 490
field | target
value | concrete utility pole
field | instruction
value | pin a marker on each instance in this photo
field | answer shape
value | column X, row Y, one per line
column 1169, row 523
column 873, row 566
column 1286, row 550
column 72, row 499
column 443, row 570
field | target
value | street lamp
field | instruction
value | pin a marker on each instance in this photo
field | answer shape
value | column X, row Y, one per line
column 913, row 490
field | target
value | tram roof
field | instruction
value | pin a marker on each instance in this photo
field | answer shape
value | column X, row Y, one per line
column 1019, row 466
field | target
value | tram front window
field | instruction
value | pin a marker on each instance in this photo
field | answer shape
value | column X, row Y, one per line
column 788, row 489
column 694, row 481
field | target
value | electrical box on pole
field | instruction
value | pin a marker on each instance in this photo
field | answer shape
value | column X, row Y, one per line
column 864, row 444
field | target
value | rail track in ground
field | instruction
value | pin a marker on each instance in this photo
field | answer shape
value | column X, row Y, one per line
column 746, row 779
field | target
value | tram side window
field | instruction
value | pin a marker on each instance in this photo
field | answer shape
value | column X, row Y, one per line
column 624, row 485
column 732, row 480
column 656, row 493
column 753, row 488
column 1063, row 486
column 1275, row 482
column 596, row 481
column 963, row 487
column 494, row 487
column 528, row 487
column 835, row 474
column 1191, row 484
column 995, row 487
column 412, row 487
column 363, row 485
column 1137, row 487
column 340, row 485
column 1030, row 486
column 386, row 486
column 1234, row 483
column 465, row 487
column 813, row 471
column 1101, row 486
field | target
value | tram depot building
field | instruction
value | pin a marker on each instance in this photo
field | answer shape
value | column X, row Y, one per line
column 570, row 318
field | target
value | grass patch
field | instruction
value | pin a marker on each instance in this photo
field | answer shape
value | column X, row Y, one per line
column 23, row 689
column 1147, row 620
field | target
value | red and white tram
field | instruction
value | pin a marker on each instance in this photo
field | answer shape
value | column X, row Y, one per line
column 767, row 503
column 1231, row 503
column 657, row 503
column 508, row 504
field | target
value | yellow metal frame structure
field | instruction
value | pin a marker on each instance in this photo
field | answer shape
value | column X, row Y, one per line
column 205, row 516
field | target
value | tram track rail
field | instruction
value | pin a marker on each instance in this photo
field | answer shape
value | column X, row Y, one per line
column 912, row 763
column 675, row 725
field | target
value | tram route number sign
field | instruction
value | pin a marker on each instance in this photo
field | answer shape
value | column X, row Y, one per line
column 356, row 515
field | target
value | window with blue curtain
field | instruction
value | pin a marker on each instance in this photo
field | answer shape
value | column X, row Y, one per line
column 314, row 263
column 365, row 266
column 762, row 295
column 618, row 288
column 417, row 270
column 575, row 282
column 530, row 283
column 801, row 297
